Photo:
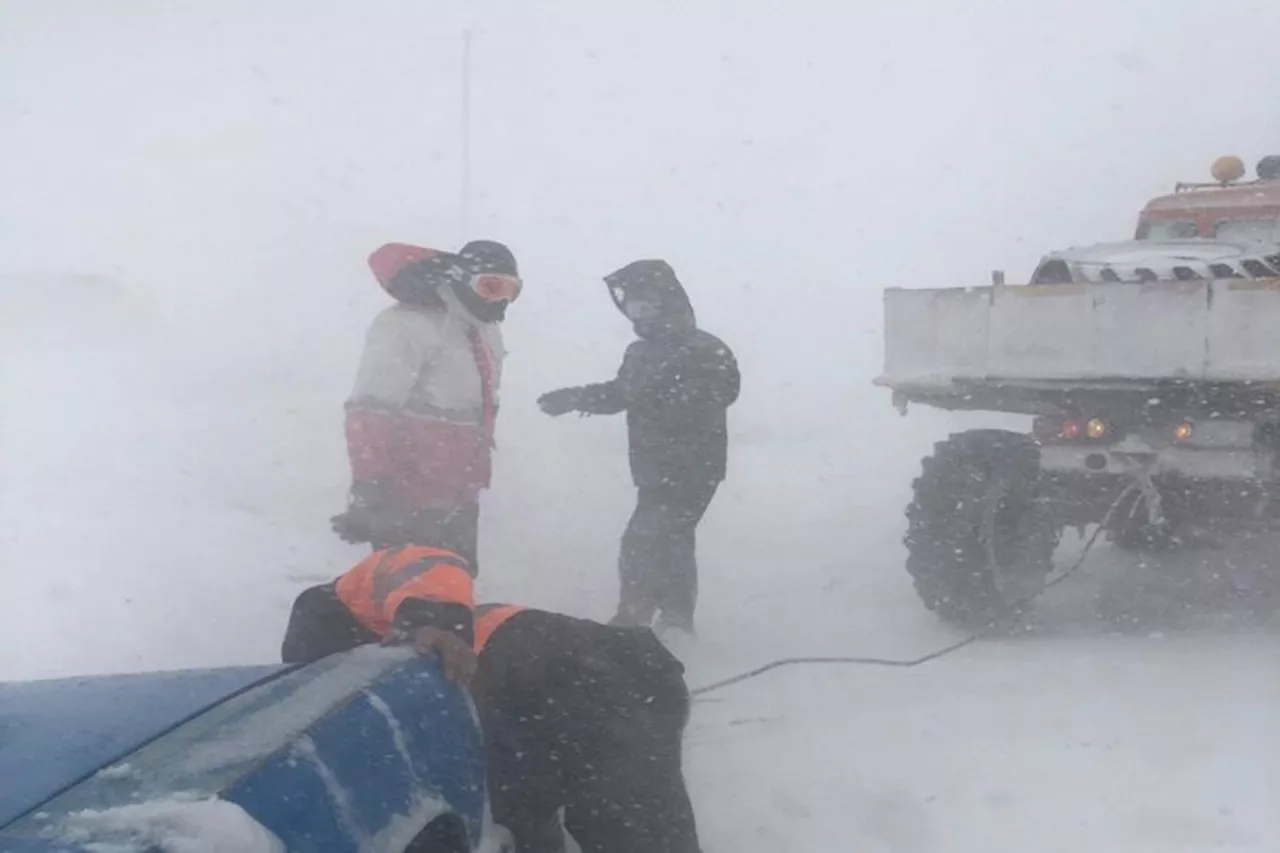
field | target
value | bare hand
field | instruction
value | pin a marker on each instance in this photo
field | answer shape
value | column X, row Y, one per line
column 457, row 659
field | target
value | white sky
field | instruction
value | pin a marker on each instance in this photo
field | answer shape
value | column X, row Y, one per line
column 753, row 143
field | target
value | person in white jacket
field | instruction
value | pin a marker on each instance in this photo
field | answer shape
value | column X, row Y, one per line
column 420, row 419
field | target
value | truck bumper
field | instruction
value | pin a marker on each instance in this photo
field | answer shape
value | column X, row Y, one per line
column 1193, row 463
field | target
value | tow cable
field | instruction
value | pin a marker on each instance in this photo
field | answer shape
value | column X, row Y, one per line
column 1142, row 484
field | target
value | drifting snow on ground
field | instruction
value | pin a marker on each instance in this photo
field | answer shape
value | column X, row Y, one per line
column 1135, row 714
column 1073, row 745
column 176, row 825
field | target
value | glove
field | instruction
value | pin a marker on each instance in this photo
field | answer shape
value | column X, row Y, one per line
column 364, row 503
column 563, row 401
column 347, row 529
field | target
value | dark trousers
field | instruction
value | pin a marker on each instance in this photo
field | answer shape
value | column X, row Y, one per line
column 460, row 533
column 658, row 566
column 455, row 528
column 586, row 719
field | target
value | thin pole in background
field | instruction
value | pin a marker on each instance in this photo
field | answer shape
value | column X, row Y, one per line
column 465, row 201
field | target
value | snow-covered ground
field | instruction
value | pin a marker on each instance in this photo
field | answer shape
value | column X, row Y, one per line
column 1074, row 737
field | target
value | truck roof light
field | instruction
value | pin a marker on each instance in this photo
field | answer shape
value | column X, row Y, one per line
column 1269, row 168
column 1227, row 168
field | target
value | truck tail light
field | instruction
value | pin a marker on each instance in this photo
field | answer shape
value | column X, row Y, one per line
column 1071, row 429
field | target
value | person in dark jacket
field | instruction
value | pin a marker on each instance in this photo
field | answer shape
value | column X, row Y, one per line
column 675, row 384
column 578, row 717
column 585, row 719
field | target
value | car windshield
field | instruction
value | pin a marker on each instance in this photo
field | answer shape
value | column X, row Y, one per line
column 1261, row 230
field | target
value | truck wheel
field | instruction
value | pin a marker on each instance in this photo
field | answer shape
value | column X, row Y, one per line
column 979, row 543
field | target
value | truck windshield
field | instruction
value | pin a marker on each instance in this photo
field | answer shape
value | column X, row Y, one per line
column 1167, row 229
column 1253, row 230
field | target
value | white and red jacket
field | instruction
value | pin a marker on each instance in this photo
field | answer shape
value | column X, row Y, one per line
column 420, row 418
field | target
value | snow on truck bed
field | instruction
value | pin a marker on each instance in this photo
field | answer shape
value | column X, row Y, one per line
column 1213, row 331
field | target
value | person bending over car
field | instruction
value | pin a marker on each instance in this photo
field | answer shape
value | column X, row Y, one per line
column 576, row 715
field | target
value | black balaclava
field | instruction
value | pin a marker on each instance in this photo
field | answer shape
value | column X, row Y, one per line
column 484, row 256
column 652, row 298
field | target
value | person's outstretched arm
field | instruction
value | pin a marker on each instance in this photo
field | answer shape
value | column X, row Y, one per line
column 601, row 398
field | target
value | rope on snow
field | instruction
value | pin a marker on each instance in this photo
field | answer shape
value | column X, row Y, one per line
column 933, row 655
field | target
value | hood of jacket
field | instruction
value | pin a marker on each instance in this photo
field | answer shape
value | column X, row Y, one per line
column 650, row 296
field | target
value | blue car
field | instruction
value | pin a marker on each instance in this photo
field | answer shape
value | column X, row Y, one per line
column 370, row 750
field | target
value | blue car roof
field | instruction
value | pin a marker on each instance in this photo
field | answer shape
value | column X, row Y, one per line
column 55, row 733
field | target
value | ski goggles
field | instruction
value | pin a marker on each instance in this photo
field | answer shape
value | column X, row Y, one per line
column 495, row 287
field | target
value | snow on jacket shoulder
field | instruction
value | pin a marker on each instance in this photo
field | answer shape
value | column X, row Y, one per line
column 416, row 418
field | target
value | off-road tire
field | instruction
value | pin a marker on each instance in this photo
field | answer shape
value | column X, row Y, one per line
column 979, row 541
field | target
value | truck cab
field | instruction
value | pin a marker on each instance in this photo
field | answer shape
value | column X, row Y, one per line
column 1226, row 209
column 1227, row 229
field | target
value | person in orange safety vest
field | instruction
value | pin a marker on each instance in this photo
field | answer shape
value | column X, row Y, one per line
column 577, row 716
column 409, row 593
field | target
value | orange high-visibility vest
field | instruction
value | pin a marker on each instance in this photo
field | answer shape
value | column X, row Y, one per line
column 489, row 618
column 381, row 582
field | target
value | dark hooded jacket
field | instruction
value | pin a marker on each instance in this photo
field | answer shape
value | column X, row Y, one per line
column 675, row 382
